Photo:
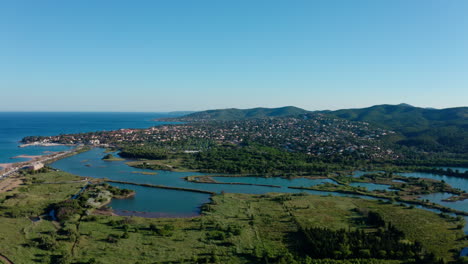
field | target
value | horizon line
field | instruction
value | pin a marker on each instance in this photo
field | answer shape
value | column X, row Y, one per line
column 192, row 111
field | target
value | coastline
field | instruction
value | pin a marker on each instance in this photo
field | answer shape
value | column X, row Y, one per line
column 28, row 156
column 40, row 144
column 7, row 169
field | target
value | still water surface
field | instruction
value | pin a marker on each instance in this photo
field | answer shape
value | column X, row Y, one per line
column 171, row 202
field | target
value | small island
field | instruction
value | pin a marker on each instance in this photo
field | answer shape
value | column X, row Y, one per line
column 110, row 157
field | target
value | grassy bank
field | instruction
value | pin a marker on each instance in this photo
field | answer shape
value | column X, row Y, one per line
column 110, row 157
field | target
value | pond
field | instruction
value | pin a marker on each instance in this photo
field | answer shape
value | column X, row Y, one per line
column 150, row 202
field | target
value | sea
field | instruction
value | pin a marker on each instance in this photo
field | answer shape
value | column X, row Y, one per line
column 16, row 125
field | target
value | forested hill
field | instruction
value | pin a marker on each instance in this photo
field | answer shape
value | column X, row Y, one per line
column 425, row 128
column 242, row 114
column 404, row 115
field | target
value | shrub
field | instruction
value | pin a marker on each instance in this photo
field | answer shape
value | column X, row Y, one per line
column 47, row 243
column 125, row 235
column 112, row 238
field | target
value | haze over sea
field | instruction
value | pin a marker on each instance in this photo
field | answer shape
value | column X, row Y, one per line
column 16, row 125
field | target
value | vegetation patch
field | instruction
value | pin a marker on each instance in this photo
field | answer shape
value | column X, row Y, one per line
column 145, row 172
column 110, row 157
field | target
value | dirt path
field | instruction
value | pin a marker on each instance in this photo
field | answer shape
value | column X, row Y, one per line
column 5, row 260
column 9, row 184
column 65, row 182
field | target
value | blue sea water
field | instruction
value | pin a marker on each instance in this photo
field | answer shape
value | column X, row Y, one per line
column 16, row 125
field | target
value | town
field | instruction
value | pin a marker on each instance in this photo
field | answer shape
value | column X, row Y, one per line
column 313, row 134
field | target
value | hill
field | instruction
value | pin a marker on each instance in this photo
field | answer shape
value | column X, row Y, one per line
column 425, row 128
column 242, row 114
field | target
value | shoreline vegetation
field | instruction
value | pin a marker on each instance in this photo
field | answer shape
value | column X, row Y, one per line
column 110, row 157
column 145, row 172
column 343, row 187
column 210, row 180
column 185, row 162
column 162, row 187
column 389, row 198
column 461, row 197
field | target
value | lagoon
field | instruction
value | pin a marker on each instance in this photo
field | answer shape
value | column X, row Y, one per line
column 170, row 202
column 160, row 202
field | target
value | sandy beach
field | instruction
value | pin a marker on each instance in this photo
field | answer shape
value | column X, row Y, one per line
column 40, row 144
column 6, row 166
column 7, row 169
column 28, row 156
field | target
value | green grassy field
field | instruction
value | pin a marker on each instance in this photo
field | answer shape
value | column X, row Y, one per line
column 19, row 208
column 39, row 191
column 235, row 228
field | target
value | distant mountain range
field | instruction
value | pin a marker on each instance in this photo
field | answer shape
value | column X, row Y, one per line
column 180, row 113
column 404, row 115
column 241, row 114
column 425, row 128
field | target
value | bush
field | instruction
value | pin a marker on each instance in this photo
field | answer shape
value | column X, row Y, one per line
column 65, row 258
column 47, row 243
column 91, row 218
column 125, row 235
column 112, row 238
column 67, row 209
column 108, row 156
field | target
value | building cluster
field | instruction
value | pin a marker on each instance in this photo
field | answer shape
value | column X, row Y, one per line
column 313, row 134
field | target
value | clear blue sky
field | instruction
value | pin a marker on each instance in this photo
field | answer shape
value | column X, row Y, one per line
column 169, row 55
